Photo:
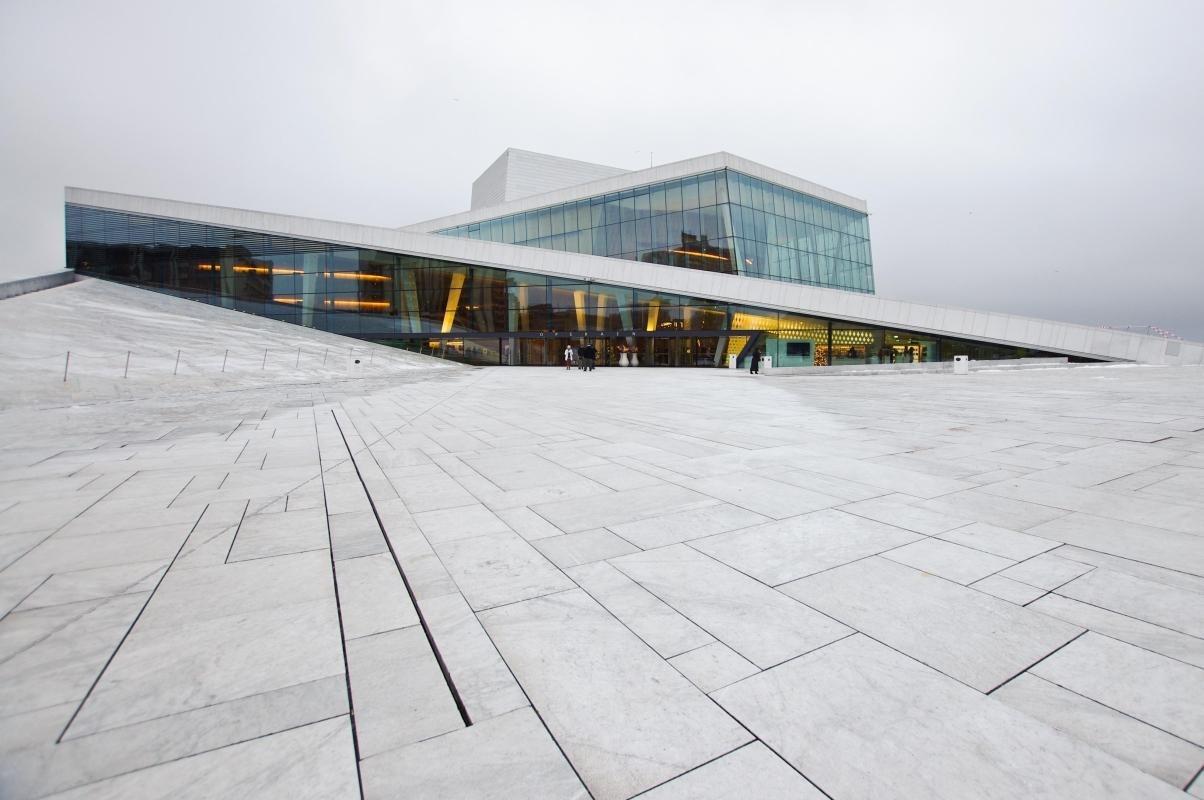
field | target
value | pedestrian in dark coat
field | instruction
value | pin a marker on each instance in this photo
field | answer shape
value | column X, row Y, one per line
column 755, row 367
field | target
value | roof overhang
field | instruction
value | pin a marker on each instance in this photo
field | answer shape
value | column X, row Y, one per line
column 950, row 321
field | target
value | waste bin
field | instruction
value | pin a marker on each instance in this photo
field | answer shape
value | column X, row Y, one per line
column 961, row 365
column 731, row 362
column 766, row 363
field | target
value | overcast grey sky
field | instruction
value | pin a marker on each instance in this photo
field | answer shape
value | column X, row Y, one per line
column 1042, row 158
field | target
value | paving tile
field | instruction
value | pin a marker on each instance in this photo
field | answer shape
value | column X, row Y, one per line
column 952, row 561
column 372, row 596
column 781, row 551
column 763, row 495
column 573, row 549
column 1163, row 548
column 265, row 535
column 617, row 476
column 48, row 767
column 1120, row 506
column 398, row 691
column 626, row 719
column 713, row 666
column 976, row 505
column 499, row 568
column 825, row 713
column 1150, row 750
column 1007, row 589
column 663, row 629
column 461, row 522
column 73, row 553
column 1144, row 685
column 1163, row 575
column 751, row 771
column 527, row 524
column 1046, row 571
column 901, row 511
column 94, row 584
column 509, row 756
column 482, row 679
column 607, row 510
column 311, row 761
column 682, row 526
column 1170, row 643
column 999, row 541
column 14, row 590
column 977, row 639
column 1168, row 606
column 757, row 622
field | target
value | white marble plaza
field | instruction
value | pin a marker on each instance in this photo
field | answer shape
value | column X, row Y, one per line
column 292, row 575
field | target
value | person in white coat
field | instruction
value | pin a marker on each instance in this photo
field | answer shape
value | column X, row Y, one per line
column 570, row 355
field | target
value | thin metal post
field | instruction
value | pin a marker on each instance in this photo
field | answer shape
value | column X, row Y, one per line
column 126, row 374
column 324, row 355
column 227, row 355
column 371, row 355
column 298, row 358
column 65, row 365
column 265, row 359
column 177, row 366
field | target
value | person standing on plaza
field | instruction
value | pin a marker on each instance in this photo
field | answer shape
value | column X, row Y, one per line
column 569, row 356
column 755, row 367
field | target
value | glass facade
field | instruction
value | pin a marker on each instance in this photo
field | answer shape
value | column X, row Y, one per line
column 471, row 313
column 722, row 221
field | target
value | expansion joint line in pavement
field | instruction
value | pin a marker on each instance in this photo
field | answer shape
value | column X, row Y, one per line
column 334, row 579
column 426, row 629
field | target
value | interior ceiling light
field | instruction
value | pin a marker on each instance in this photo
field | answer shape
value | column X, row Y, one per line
column 357, row 276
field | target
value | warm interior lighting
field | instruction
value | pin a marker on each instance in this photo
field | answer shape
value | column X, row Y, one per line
column 360, row 305
column 356, row 276
column 654, row 312
column 579, row 305
column 265, row 270
column 601, row 312
column 699, row 255
column 292, row 301
column 209, row 267
column 453, row 300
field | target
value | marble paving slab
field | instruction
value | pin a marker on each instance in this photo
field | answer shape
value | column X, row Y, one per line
column 626, row 720
column 826, row 714
column 980, row 640
column 759, row 623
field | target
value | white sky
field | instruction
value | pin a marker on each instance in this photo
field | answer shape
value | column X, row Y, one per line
column 1044, row 158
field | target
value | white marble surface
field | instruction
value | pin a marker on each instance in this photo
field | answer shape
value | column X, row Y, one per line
column 167, row 595
column 977, row 639
column 762, row 625
column 861, row 720
column 751, row 771
column 1150, row 750
column 782, row 551
column 959, row 564
column 1150, row 687
column 624, row 717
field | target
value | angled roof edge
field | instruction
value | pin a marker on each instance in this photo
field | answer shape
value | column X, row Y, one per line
column 983, row 326
column 628, row 180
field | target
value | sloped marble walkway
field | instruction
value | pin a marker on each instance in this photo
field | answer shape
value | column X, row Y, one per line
column 536, row 583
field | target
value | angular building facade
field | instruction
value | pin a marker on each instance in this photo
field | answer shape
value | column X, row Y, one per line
column 686, row 264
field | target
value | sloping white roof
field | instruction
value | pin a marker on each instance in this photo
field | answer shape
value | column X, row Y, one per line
column 521, row 173
column 984, row 326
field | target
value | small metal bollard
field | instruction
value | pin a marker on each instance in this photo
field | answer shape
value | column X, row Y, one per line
column 176, row 368
column 126, row 373
column 66, row 364
column 224, row 357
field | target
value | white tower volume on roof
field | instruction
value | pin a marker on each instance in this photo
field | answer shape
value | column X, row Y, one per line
column 522, row 173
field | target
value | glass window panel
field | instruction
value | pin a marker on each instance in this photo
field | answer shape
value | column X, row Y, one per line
column 657, row 198
column 643, row 205
column 626, row 207
column 643, row 234
column 706, row 189
column 556, row 220
column 614, row 244
column 673, row 196
column 691, row 224
column 613, row 214
column 597, row 212
column 627, row 235
column 689, row 193
column 584, row 220
column 660, row 235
